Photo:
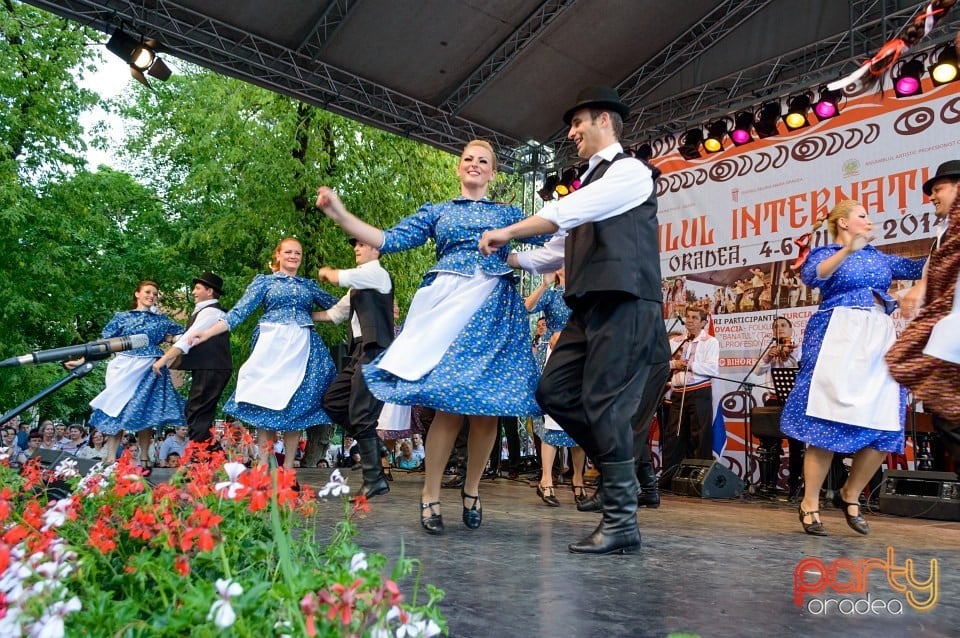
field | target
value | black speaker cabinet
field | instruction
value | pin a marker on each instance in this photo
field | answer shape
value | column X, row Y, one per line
column 921, row 494
column 765, row 422
column 707, row 479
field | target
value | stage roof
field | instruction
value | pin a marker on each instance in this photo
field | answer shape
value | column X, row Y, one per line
column 446, row 71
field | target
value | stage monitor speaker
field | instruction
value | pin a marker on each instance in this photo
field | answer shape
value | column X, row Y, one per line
column 921, row 494
column 707, row 479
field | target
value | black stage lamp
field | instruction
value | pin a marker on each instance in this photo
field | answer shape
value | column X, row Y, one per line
column 690, row 143
column 742, row 123
column 944, row 69
column 550, row 183
column 797, row 109
column 906, row 78
column 569, row 182
column 767, row 118
column 716, row 131
column 828, row 103
column 141, row 56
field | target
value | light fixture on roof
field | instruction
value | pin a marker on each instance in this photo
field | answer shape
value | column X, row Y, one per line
column 140, row 55
column 797, row 108
column 690, row 143
column 713, row 142
column 569, row 182
column 768, row 117
column 742, row 123
column 944, row 69
column 828, row 103
column 549, row 184
column 906, row 78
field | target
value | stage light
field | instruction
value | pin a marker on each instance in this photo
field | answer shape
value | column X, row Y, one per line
column 797, row 109
column 140, row 55
column 944, row 70
column 767, row 119
column 742, row 123
column 643, row 152
column 569, row 182
column 549, row 184
column 828, row 104
column 713, row 143
column 906, row 78
column 690, row 143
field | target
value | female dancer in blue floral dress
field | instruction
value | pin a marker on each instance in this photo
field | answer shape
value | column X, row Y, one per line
column 549, row 300
column 465, row 347
column 280, row 387
column 135, row 399
column 844, row 399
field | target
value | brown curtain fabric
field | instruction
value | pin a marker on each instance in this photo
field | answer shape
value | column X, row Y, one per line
column 933, row 381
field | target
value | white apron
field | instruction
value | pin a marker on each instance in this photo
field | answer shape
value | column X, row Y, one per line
column 851, row 383
column 438, row 313
column 122, row 378
column 944, row 341
column 276, row 367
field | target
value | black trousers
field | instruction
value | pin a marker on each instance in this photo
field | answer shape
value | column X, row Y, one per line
column 205, row 390
column 348, row 400
column 649, row 403
column 593, row 382
column 688, row 434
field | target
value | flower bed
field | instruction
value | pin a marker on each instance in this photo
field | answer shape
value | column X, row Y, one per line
column 217, row 550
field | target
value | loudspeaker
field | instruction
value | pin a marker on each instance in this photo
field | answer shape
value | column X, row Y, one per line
column 705, row 478
column 50, row 459
column 921, row 494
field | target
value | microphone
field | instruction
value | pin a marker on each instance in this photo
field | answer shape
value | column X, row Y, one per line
column 93, row 350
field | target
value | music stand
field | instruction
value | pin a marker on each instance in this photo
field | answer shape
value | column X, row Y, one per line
column 783, row 381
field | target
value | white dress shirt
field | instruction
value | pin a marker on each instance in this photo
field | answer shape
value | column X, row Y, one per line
column 370, row 275
column 206, row 317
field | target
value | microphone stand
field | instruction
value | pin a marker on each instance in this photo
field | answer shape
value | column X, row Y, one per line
column 76, row 373
column 745, row 389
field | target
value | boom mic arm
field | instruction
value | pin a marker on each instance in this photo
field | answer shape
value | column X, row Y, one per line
column 94, row 350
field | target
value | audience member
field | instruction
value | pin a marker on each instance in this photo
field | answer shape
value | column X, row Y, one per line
column 177, row 443
column 94, row 449
column 406, row 460
column 75, row 439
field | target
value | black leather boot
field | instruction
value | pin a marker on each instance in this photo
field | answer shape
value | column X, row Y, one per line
column 617, row 532
column 594, row 502
column 374, row 481
column 648, row 495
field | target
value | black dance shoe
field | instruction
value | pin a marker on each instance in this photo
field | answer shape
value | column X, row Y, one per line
column 855, row 522
column 815, row 527
column 548, row 495
column 433, row 523
column 474, row 516
column 579, row 493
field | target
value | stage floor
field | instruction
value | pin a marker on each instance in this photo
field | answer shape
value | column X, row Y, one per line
column 708, row 567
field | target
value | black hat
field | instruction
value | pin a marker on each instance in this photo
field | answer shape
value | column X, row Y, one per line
column 601, row 97
column 352, row 241
column 210, row 280
column 947, row 169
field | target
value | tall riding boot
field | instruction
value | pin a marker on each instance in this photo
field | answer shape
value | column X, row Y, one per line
column 648, row 495
column 594, row 502
column 617, row 532
column 374, row 481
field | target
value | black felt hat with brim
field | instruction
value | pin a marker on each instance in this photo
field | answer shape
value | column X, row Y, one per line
column 597, row 97
column 949, row 169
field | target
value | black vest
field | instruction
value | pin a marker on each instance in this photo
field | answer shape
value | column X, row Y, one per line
column 619, row 254
column 375, row 314
column 213, row 354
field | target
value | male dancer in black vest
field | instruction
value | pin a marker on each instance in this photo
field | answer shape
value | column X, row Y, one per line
column 210, row 362
column 593, row 382
column 348, row 401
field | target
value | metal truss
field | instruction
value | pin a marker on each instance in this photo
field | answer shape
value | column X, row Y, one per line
column 504, row 54
column 213, row 44
column 826, row 60
column 333, row 16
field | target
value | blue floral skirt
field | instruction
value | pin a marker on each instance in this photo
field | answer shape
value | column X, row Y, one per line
column 155, row 404
column 304, row 409
column 488, row 369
